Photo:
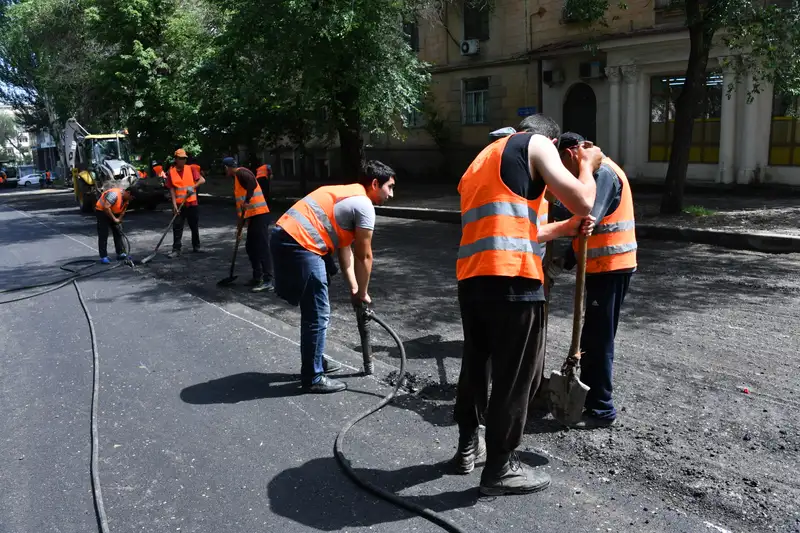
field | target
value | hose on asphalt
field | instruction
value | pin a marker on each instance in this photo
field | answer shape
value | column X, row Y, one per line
column 78, row 273
column 339, row 447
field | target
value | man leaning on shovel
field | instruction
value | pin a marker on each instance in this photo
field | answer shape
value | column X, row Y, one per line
column 500, row 274
column 610, row 264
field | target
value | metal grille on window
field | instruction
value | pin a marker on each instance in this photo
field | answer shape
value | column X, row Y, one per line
column 476, row 101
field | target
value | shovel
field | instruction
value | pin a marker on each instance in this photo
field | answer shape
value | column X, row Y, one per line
column 566, row 394
column 231, row 278
column 163, row 235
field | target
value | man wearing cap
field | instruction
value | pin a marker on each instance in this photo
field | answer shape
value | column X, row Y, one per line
column 182, row 183
column 329, row 219
column 252, row 208
column 610, row 264
column 500, row 274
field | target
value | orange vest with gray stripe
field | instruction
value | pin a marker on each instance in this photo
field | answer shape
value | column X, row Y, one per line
column 257, row 204
column 612, row 245
column 499, row 229
column 262, row 172
column 311, row 221
column 102, row 202
column 182, row 183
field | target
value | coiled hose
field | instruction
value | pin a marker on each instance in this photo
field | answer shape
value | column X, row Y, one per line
column 338, row 447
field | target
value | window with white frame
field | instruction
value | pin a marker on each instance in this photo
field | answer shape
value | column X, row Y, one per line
column 476, row 100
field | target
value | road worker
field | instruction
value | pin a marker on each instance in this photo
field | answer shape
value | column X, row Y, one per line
column 182, row 182
column 110, row 208
column 500, row 274
column 329, row 219
column 252, row 208
column 264, row 176
column 610, row 264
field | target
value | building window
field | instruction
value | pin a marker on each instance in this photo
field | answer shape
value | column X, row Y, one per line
column 476, row 101
column 476, row 21
column 414, row 117
column 784, row 138
column 411, row 29
column 664, row 92
column 23, row 139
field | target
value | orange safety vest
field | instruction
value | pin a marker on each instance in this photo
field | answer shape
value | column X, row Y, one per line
column 311, row 221
column 256, row 206
column 261, row 172
column 158, row 169
column 116, row 208
column 182, row 184
column 499, row 229
column 196, row 167
column 612, row 244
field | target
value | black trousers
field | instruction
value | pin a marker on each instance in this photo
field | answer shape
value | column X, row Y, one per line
column 605, row 294
column 504, row 343
column 188, row 214
column 257, row 246
column 104, row 223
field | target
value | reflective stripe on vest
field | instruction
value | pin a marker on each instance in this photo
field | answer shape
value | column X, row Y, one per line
column 612, row 245
column 182, row 184
column 499, row 229
column 256, row 206
column 102, row 202
column 311, row 221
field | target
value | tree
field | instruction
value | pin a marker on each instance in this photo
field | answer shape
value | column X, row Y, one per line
column 763, row 39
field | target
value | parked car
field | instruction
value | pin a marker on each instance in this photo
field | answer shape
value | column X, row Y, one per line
column 31, row 179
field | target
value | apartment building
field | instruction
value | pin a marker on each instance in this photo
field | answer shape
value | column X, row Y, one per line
column 490, row 69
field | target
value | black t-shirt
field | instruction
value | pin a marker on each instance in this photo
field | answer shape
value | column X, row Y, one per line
column 515, row 173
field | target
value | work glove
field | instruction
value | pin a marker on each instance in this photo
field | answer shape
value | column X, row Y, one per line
column 191, row 190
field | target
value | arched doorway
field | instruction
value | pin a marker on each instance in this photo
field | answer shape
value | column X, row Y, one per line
column 580, row 111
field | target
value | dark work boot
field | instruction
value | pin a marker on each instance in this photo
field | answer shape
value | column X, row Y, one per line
column 471, row 450
column 326, row 385
column 505, row 474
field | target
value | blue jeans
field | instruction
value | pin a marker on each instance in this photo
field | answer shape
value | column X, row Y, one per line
column 604, row 296
column 301, row 279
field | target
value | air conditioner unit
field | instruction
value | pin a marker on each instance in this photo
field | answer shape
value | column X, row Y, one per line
column 470, row 47
column 553, row 77
column 591, row 70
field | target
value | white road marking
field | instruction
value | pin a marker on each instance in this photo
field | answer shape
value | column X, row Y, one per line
column 35, row 219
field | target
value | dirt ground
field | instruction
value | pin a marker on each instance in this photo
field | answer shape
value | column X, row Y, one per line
column 706, row 370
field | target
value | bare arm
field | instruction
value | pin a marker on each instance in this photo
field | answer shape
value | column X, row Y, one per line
column 362, row 250
column 576, row 195
column 565, row 228
column 174, row 202
column 346, row 265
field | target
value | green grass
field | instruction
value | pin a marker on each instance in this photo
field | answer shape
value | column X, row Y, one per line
column 698, row 211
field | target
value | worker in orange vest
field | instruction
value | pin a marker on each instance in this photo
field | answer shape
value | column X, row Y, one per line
column 182, row 182
column 110, row 208
column 333, row 218
column 611, row 262
column 264, row 176
column 500, row 293
column 252, row 207
column 158, row 170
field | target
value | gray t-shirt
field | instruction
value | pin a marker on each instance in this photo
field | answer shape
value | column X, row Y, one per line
column 355, row 212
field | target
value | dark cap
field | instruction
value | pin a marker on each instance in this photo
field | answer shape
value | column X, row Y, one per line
column 229, row 162
column 569, row 140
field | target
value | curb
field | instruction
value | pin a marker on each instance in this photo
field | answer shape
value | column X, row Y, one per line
column 772, row 243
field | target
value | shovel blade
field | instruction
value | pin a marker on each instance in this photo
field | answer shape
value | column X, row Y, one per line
column 566, row 397
column 147, row 259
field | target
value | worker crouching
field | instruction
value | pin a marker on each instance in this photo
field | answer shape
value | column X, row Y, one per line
column 334, row 218
column 110, row 208
column 252, row 208
column 500, row 292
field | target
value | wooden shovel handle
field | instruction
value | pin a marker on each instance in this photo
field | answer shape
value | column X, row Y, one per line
column 580, row 286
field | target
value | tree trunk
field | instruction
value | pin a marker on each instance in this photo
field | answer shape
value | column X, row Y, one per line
column 687, row 107
column 350, row 139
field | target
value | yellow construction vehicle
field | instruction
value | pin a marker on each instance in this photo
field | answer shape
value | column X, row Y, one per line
column 98, row 162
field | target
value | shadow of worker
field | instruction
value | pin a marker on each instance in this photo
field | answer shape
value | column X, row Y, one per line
column 340, row 505
column 243, row 387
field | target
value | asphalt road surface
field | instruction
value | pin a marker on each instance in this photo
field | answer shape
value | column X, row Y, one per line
column 202, row 427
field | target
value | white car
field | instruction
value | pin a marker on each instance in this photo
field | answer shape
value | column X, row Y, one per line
column 30, row 179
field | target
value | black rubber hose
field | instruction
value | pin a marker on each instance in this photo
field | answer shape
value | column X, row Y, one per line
column 338, row 447
column 97, row 494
